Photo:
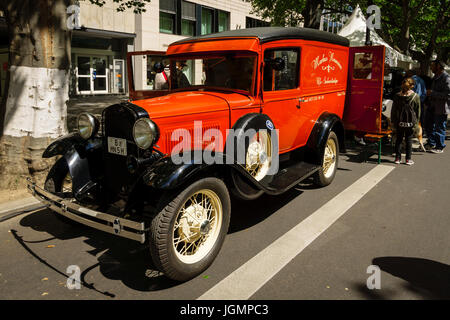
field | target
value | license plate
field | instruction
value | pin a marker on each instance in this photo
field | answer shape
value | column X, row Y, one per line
column 117, row 146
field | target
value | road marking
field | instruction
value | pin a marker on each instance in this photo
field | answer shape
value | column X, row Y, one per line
column 242, row 283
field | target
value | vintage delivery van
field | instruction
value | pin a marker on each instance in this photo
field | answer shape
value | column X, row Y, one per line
column 244, row 112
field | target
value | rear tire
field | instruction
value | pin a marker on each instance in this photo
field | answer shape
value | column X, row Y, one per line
column 188, row 232
column 325, row 175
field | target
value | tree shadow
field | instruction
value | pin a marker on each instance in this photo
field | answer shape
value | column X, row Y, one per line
column 129, row 261
column 124, row 260
column 427, row 278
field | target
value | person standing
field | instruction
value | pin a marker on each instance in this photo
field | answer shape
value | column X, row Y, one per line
column 420, row 89
column 405, row 116
column 439, row 103
column 161, row 77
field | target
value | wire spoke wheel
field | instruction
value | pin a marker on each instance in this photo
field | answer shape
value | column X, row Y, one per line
column 329, row 158
column 325, row 175
column 188, row 232
column 259, row 155
column 197, row 226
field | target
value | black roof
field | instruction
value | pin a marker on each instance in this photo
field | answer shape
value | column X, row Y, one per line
column 267, row 34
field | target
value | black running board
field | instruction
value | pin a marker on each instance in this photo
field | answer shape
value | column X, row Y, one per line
column 284, row 179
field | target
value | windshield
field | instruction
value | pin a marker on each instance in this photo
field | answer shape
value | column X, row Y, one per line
column 231, row 71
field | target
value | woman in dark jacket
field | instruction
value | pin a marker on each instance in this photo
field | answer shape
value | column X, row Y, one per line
column 405, row 117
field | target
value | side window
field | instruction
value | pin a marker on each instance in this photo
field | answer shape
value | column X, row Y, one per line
column 281, row 70
column 362, row 66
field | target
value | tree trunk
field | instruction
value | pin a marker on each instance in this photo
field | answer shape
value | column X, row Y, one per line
column 35, row 110
column 425, row 64
column 312, row 13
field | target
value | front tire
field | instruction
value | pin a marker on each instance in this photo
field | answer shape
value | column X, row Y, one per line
column 325, row 175
column 188, row 232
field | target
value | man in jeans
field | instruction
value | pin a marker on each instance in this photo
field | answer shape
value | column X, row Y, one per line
column 439, row 103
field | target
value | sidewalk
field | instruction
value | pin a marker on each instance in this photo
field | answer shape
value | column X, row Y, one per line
column 11, row 209
column 14, row 205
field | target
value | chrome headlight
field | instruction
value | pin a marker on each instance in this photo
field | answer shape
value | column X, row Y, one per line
column 145, row 133
column 87, row 125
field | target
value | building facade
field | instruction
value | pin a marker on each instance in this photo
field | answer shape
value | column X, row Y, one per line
column 100, row 46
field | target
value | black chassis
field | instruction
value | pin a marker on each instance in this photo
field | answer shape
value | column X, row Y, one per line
column 151, row 174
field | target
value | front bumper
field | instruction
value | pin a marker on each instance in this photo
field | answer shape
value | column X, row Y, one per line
column 102, row 221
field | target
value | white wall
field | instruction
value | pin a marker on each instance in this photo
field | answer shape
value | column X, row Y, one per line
column 106, row 17
column 147, row 26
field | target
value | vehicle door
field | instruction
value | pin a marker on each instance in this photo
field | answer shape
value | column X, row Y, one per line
column 143, row 79
column 281, row 92
column 363, row 106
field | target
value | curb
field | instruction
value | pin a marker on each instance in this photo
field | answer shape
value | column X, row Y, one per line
column 14, row 208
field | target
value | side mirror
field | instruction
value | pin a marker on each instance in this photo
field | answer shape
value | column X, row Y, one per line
column 277, row 64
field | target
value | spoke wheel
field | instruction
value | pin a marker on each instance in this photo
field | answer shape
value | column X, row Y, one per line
column 325, row 175
column 259, row 155
column 197, row 226
column 188, row 232
column 329, row 158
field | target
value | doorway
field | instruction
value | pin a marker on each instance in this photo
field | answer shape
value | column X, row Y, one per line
column 92, row 74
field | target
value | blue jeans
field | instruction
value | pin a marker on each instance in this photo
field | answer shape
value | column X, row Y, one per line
column 437, row 131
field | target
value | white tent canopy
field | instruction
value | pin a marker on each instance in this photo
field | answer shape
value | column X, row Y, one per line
column 355, row 30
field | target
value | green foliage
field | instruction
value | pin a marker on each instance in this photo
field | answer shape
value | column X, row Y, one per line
column 138, row 6
column 280, row 12
column 288, row 12
column 420, row 15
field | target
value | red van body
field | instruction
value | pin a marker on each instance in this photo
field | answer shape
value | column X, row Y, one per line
column 267, row 105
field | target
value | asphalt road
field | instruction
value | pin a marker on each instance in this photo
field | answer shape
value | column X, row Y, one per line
column 399, row 224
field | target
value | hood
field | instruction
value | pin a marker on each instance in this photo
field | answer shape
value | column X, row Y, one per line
column 191, row 102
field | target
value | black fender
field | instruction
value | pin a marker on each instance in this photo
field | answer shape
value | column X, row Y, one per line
column 240, row 139
column 317, row 140
column 63, row 144
column 167, row 174
column 77, row 159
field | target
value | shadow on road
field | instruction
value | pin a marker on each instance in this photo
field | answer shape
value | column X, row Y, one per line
column 118, row 258
column 426, row 278
column 129, row 261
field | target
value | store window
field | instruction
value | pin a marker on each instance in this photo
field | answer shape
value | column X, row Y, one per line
column 255, row 23
column 286, row 78
column 207, row 21
column 224, row 21
column 188, row 18
column 167, row 15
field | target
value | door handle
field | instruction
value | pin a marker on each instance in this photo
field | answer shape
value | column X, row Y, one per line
column 300, row 100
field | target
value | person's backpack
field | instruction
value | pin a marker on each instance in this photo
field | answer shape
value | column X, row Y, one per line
column 407, row 117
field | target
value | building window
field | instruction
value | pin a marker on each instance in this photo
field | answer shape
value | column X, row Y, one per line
column 167, row 15
column 255, row 23
column 223, row 21
column 207, row 21
column 188, row 18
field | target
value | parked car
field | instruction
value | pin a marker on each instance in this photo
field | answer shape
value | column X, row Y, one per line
column 277, row 94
